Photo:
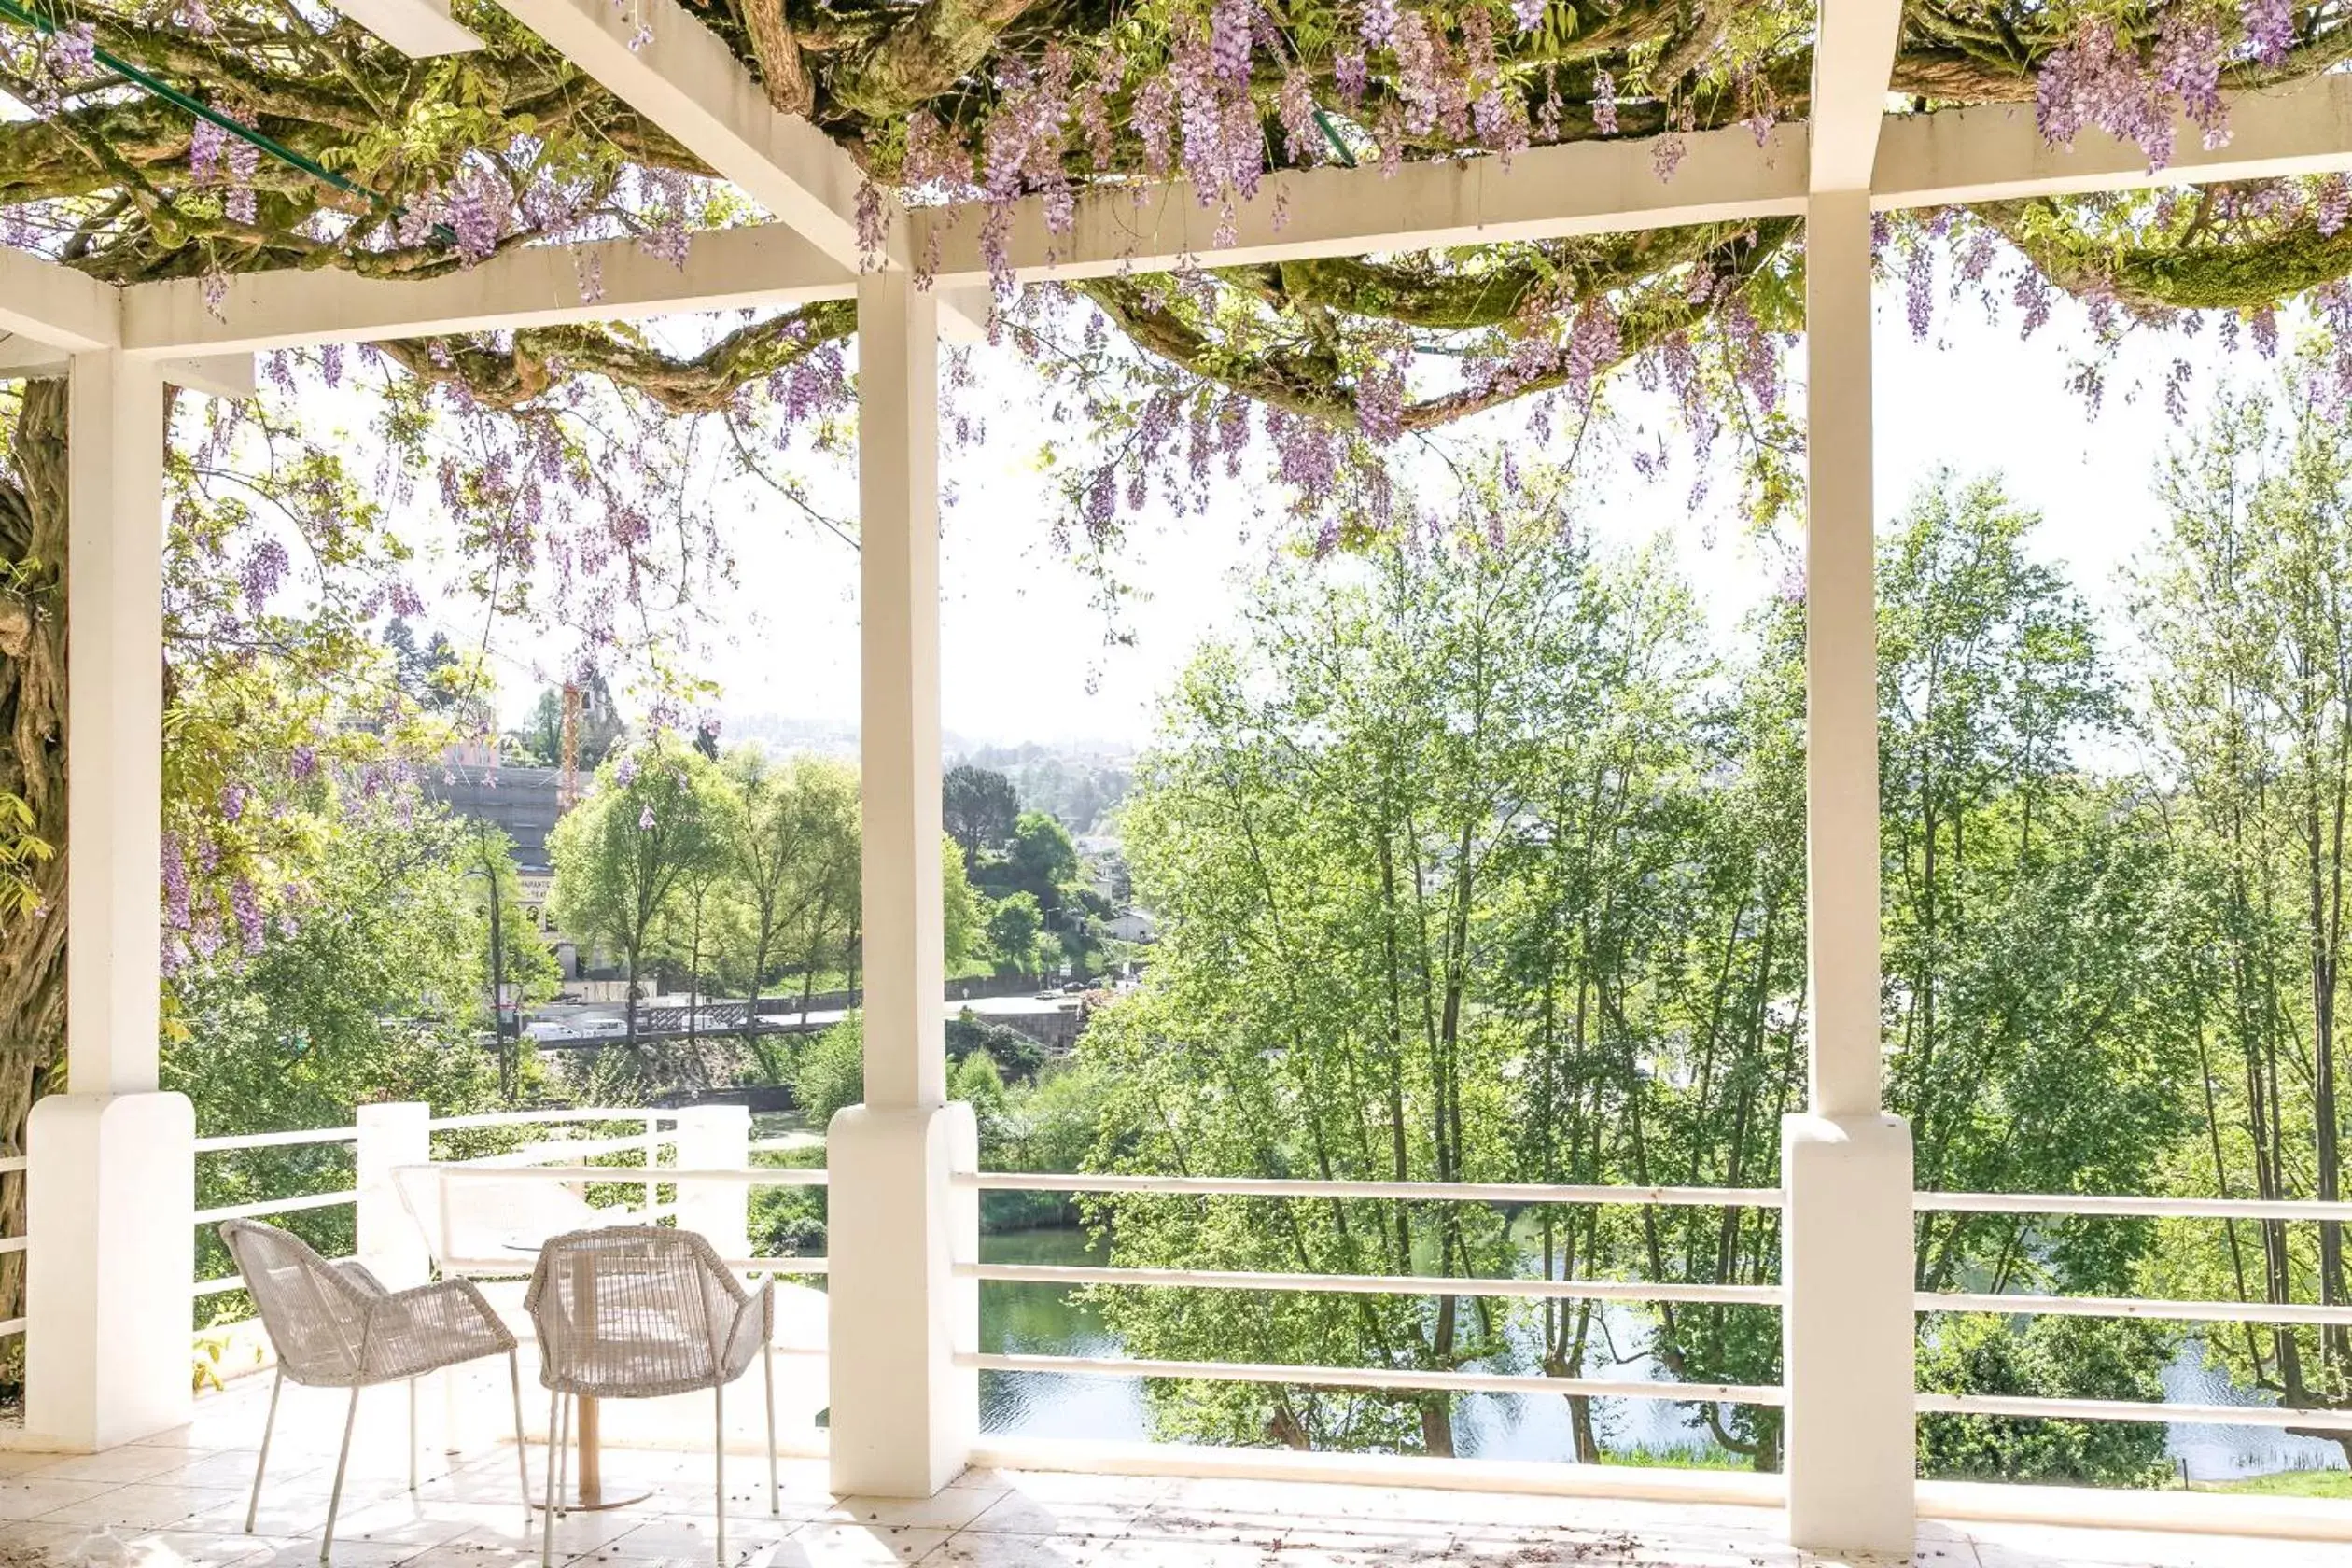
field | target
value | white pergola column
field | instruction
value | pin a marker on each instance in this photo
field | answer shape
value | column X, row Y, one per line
column 111, row 1191
column 903, row 1416
column 1846, row 1252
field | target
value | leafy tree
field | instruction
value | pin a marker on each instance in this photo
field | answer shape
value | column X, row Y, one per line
column 375, row 990
column 790, row 834
column 1346, row 829
column 960, row 923
column 1013, row 924
column 831, row 1072
column 1017, row 1057
column 980, row 807
column 2049, row 1358
column 2246, row 615
column 622, row 854
column 1041, row 860
column 2018, row 922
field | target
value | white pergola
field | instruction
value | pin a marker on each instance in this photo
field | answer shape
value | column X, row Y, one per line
column 111, row 1190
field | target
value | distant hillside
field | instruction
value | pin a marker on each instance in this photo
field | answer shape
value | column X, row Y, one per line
column 1079, row 782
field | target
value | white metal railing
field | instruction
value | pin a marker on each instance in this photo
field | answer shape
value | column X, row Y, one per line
column 2126, row 1207
column 566, row 1160
column 11, row 1165
column 1401, row 1378
column 2122, row 1206
column 1377, row 1378
column 1373, row 1284
column 277, row 1139
column 1434, row 1192
column 651, row 1141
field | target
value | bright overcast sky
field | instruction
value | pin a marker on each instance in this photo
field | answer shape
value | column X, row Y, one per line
column 1024, row 651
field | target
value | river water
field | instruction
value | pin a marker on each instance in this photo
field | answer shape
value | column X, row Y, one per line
column 1042, row 1320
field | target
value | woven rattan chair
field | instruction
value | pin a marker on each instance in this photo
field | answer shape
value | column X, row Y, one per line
column 639, row 1312
column 334, row 1325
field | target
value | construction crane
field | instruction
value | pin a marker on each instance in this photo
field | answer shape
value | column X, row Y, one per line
column 567, row 782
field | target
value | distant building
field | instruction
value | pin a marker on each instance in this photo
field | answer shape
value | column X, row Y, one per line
column 1132, row 925
column 519, row 801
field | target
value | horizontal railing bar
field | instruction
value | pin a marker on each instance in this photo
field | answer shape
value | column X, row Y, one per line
column 216, row 1287
column 2134, row 1307
column 525, row 1119
column 275, row 1206
column 14, row 1244
column 1377, row 1378
column 12, row 1325
column 2127, row 1207
column 1456, row 1191
column 2129, row 1410
column 277, row 1139
column 578, row 1148
column 1369, row 1284
column 9, row 1163
column 634, row 1175
column 778, row 1265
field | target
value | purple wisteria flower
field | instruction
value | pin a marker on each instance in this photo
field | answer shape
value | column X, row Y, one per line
column 246, row 903
column 2270, row 29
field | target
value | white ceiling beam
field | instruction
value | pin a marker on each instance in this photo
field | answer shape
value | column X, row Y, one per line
column 538, row 286
column 1996, row 153
column 220, row 375
column 1588, row 187
column 1853, row 57
column 688, row 82
column 1579, row 188
column 419, row 29
column 53, row 305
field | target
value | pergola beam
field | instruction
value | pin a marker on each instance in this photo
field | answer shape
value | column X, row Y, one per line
column 1585, row 187
column 659, row 59
column 1996, row 153
column 1853, row 57
column 1575, row 188
column 538, row 285
column 56, row 306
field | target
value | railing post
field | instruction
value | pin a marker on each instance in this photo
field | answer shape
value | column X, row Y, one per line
column 903, row 1415
column 1847, row 1326
column 716, row 1137
column 111, row 1179
column 390, row 1241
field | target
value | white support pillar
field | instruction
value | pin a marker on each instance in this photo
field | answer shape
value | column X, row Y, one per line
column 898, row 738
column 1846, row 1251
column 716, row 1137
column 390, row 1241
column 111, row 1193
column 903, row 1416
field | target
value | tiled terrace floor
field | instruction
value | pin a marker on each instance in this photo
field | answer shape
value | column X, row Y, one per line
column 180, row 1500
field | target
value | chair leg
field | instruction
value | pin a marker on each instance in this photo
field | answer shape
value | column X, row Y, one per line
column 554, row 1447
column 563, row 1446
column 253, row 1506
column 412, row 1393
column 521, row 1459
column 718, row 1462
column 343, row 1463
column 767, row 1360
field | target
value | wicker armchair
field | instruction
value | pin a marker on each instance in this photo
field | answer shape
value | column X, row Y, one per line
column 639, row 1312
column 334, row 1325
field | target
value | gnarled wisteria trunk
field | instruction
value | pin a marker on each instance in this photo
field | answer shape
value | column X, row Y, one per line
column 33, row 566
